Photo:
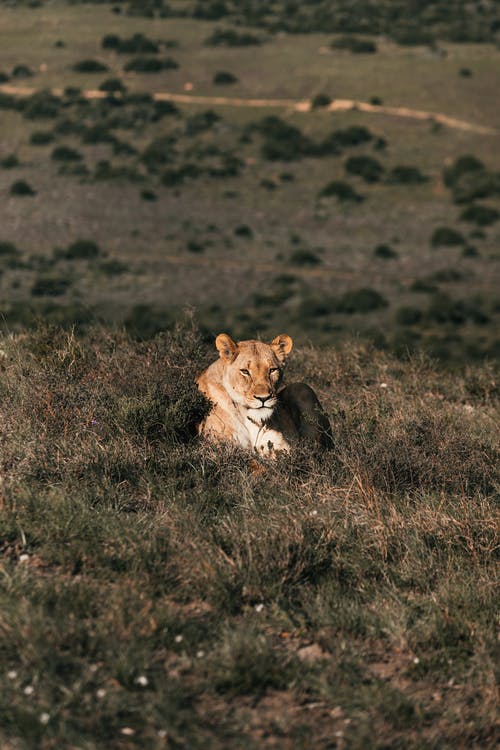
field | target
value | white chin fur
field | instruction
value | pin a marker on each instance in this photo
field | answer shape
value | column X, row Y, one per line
column 261, row 414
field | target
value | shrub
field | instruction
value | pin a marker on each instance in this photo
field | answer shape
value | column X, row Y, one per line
column 138, row 44
column 150, row 65
column 366, row 167
column 50, row 286
column 41, row 138
column 143, row 65
column 268, row 184
column 304, row 258
column 243, row 230
column 315, row 306
column 7, row 101
column 443, row 309
column 21, row 188
column 99, row 133
column 320, row 100
column 424, row 286
column 483, row 216
column 223, row 78
column 342, row 191
column 68, row 127
column 110, row 41
column 210, row 11
column 148, row 195
column 106, row 171
column 408, row 316
column 283, row 142
column 161, row 151
column 89, row 66
column 65, row 153
column 354, row 135
column 355, row 44
column 446, row 275
column 3, row 77
column 228, row 165
column 195, row 247
column 113, row 85
column 231, row 38
column 478, row 184
column 168, row 63
column 470, row 251
column 112, row 267
column 82, row 250
column 446, row 236
column 406, row 175
column 42, row 105
column 10, row 162
column 173, row 177
column 8, row 249
column 361, row 301
column 164, row 109
column 385, row 251
column 22, row 71
column 461, row 166
column 201, row 121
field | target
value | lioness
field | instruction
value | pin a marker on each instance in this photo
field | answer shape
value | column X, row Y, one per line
column 251, row 407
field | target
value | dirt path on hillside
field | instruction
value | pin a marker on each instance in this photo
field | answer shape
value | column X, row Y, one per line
column 337, row 105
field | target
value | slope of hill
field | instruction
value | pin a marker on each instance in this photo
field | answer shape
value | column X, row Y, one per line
column 156, row 593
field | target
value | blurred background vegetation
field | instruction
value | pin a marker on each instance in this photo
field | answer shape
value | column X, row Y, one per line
column 328, row 224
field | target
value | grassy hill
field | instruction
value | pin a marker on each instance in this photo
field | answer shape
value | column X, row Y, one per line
column 157, row 593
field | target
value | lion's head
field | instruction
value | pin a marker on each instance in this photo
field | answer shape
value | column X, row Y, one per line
column 252, row 371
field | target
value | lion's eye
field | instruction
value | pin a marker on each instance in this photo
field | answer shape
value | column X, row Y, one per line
column 244, row 372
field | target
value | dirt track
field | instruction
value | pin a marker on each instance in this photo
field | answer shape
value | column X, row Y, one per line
column 337, row 105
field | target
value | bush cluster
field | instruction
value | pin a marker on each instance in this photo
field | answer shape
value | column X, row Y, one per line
column 231, row 38
column 137, row 44
column 150, row 64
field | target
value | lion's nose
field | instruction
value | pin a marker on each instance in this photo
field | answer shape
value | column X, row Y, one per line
column 263, row 399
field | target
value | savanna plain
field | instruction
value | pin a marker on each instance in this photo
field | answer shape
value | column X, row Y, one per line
column 172, row 170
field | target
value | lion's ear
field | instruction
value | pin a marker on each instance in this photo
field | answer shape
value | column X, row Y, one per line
column 282, row 346
column 226, row 347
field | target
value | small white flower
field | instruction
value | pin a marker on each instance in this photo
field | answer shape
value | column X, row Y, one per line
column 416, row 660
column 313, row 513
column 29, row 690
column 384, row 385
column 44, row 718
column 24, row 558
column 12, row 674
column 162, row 733
column 142, row 680
column 179, row 638
column 200, row 654
column 259, row 607
column 128, row 731
column 101, row 693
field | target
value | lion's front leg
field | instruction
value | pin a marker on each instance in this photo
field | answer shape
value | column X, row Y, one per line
column 270, row 442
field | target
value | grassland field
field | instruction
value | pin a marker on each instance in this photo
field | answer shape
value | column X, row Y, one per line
column 154, row 591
